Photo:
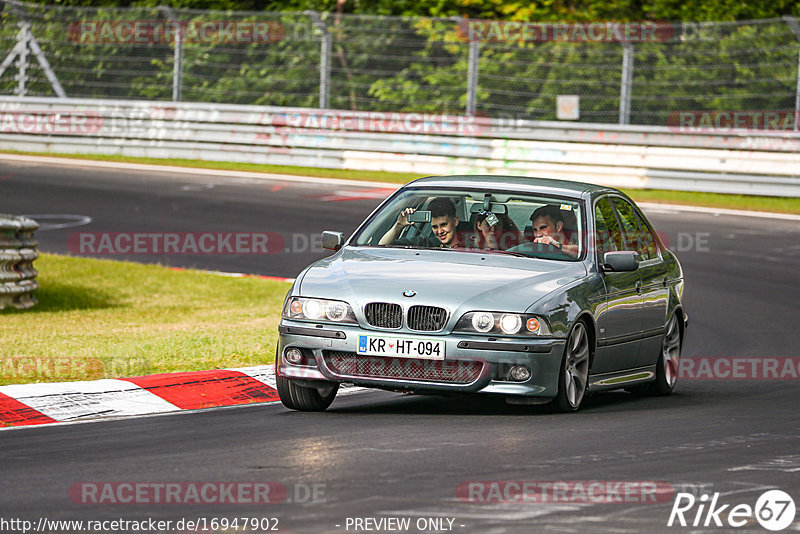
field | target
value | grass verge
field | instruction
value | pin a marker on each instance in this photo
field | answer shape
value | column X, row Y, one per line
column 110, row 319
column 689, row 198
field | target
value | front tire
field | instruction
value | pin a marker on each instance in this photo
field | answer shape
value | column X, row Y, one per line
column 303, row 398
column 574, row 374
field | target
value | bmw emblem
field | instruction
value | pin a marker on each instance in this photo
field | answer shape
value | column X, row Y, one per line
column 409, row 293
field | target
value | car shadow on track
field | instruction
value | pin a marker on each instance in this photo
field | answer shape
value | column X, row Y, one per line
column 615, row 401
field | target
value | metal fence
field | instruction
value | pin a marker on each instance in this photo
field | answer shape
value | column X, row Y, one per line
column 371, row 63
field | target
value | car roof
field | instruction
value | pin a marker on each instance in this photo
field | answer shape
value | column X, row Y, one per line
column 518, row 183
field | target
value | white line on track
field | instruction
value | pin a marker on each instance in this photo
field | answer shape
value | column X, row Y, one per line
column 651, row 207
column 70, row 220
column 189, row 170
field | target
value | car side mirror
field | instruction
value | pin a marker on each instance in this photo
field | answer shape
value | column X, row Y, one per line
column 332, row 240
column 626, row 260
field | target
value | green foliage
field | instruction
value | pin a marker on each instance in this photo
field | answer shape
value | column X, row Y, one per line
column 420, row 64
column 522, row 10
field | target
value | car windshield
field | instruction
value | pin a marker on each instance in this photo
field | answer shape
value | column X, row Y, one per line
column 478, row 220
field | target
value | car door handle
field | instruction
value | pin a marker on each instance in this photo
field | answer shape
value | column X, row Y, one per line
column 638, row 286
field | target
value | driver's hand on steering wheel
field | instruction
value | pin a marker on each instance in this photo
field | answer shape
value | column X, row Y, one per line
column 548, row 240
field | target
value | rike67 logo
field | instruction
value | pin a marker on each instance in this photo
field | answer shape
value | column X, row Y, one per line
column 774, row 510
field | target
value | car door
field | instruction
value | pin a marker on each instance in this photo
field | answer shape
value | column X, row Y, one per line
column 620, row 316
column 653, row 278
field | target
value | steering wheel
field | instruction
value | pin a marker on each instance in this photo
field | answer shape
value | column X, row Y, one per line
column 539, row 249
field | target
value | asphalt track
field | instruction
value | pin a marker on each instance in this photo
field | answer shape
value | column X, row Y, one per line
column 382, row 455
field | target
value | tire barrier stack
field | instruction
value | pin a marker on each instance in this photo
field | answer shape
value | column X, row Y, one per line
column 17, row 253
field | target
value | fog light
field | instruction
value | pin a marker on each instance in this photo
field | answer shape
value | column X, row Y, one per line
column 519, row 373
column 293, row 355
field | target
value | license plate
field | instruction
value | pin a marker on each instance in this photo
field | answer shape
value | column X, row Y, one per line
column 401, row 347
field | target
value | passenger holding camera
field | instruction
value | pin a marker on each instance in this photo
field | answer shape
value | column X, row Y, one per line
column 443, row 223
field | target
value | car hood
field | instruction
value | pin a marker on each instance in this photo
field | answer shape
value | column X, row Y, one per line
column 457, row 280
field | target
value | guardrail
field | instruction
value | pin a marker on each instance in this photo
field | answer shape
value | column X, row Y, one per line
column 17, row 253
column 730, row 161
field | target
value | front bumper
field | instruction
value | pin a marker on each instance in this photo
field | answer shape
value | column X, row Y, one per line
column 319, row 341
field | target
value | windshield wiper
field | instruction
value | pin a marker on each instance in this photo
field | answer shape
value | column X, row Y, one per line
column 399, row 246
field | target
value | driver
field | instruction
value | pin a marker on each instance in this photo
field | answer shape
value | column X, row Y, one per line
column 548, row 226
column 443, row 224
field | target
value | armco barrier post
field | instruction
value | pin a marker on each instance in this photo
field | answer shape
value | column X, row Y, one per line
column 795, row 27
column 177, row 65
column 626, row 84
column 326, row 47
column 17, row 253
column 472, row 77
column 22, row 58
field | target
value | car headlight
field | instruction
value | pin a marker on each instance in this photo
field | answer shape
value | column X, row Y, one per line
column 510, row 323
column 502, row 323
column 482, row 321
column 310, row 309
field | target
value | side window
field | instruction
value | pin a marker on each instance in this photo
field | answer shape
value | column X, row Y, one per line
column 607, row 232
column 647, row 238
column 636, row 237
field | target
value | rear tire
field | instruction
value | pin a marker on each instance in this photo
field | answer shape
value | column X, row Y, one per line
column 574, row 374
column 669, row 360
column 303, row 398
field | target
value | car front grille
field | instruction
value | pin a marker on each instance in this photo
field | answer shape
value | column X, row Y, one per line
column 426, row 318
column 449, row 371
column 420, row 318
column 384, row 314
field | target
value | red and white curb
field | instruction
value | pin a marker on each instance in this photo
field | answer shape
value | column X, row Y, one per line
column 60, row 402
